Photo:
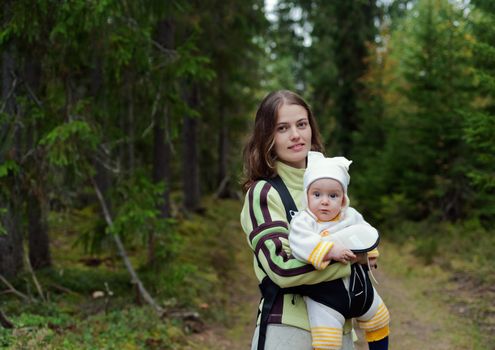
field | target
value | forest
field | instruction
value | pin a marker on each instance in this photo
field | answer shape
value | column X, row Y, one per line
column 122, row 125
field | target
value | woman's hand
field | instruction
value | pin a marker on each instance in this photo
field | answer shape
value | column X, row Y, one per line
column 373, row 261
column 361, row 258
column 339, row 253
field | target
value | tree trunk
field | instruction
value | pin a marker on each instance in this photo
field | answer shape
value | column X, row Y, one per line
column 161, row 173
column 128, row 125
column 161, row 142
column 38, row 239
column 357, row 22
column 11, row 248
column 103, row 176
column 190, row 162
column 161, row 164
column 223, row 148
column 39, row 243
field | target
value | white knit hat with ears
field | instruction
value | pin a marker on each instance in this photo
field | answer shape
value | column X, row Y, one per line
column 320, row 167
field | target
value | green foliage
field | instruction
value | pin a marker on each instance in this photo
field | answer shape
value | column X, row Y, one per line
column 136, row 212
column 3, row 231
column 480, row 135
column 137, row 215
column 8, row 167
column 464, row 248
column 479, row 127
column 87, row 225
column 424, row 88
column 192, row 65
column 87, row 280
column 71, row 144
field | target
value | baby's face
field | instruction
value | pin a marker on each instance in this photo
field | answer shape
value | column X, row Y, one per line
column 325, row 199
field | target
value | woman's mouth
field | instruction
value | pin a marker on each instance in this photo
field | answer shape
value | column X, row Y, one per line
column 297, row 147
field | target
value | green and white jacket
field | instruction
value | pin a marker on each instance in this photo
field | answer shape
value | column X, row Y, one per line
column 264, row 221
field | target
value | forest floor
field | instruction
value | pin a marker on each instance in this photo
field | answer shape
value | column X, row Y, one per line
column 432, row 306
column 430, row 309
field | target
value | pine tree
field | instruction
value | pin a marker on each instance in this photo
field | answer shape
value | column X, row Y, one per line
column 480, row 125
column 422, row 162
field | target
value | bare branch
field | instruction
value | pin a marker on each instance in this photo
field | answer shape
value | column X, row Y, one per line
column 171, row 54
column 222, row 186
column 122, row 252
column 63, row 289
column 4, row 321
column 35, row 279
column 9, row 94
column 13, row 290
column 33, row 95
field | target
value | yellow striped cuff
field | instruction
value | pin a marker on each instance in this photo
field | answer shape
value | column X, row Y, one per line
column 317, row 255
column 377, row 335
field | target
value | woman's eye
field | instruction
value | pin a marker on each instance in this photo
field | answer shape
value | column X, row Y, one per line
column 282, row 128
column 302, row 125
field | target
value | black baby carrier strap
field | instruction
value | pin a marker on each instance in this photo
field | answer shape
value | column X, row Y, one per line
column 269, row 290
column 287, row 200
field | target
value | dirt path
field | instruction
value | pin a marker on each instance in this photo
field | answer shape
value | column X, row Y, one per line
column 414, row 324
column 422, row 316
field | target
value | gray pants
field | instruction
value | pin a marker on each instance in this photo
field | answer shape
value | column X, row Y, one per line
column 283, row 337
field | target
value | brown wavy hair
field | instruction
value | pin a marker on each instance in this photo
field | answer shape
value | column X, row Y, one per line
column 259, row 153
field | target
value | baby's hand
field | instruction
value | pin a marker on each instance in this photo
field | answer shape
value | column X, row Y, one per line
column 339, row 253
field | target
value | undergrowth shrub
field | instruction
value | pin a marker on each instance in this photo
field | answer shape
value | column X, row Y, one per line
column 464, row 247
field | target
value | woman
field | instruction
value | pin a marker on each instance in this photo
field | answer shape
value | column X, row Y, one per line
column 284, row 132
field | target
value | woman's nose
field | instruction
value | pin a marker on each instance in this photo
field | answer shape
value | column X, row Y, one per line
column 294, row 133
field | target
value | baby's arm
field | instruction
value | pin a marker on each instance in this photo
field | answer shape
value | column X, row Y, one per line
column 339, row 253
column 307, row 245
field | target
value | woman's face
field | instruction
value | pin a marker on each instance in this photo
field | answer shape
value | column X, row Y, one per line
column 292, row 135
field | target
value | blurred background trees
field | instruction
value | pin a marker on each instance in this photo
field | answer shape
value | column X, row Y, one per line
column 151, row 100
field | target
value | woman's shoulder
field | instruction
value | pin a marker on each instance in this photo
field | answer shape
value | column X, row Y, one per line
column 263, row 203
column 262, row 191
column 259, row 185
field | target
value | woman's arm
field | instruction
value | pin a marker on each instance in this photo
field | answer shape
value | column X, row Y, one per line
column 263, row 220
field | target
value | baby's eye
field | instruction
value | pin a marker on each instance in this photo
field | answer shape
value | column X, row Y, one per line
column 334, row 195
column 316, row 194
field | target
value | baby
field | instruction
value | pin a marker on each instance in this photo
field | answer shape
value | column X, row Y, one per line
column 328, row 229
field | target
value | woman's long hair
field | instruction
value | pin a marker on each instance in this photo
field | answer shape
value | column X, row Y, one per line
column 259, row 154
